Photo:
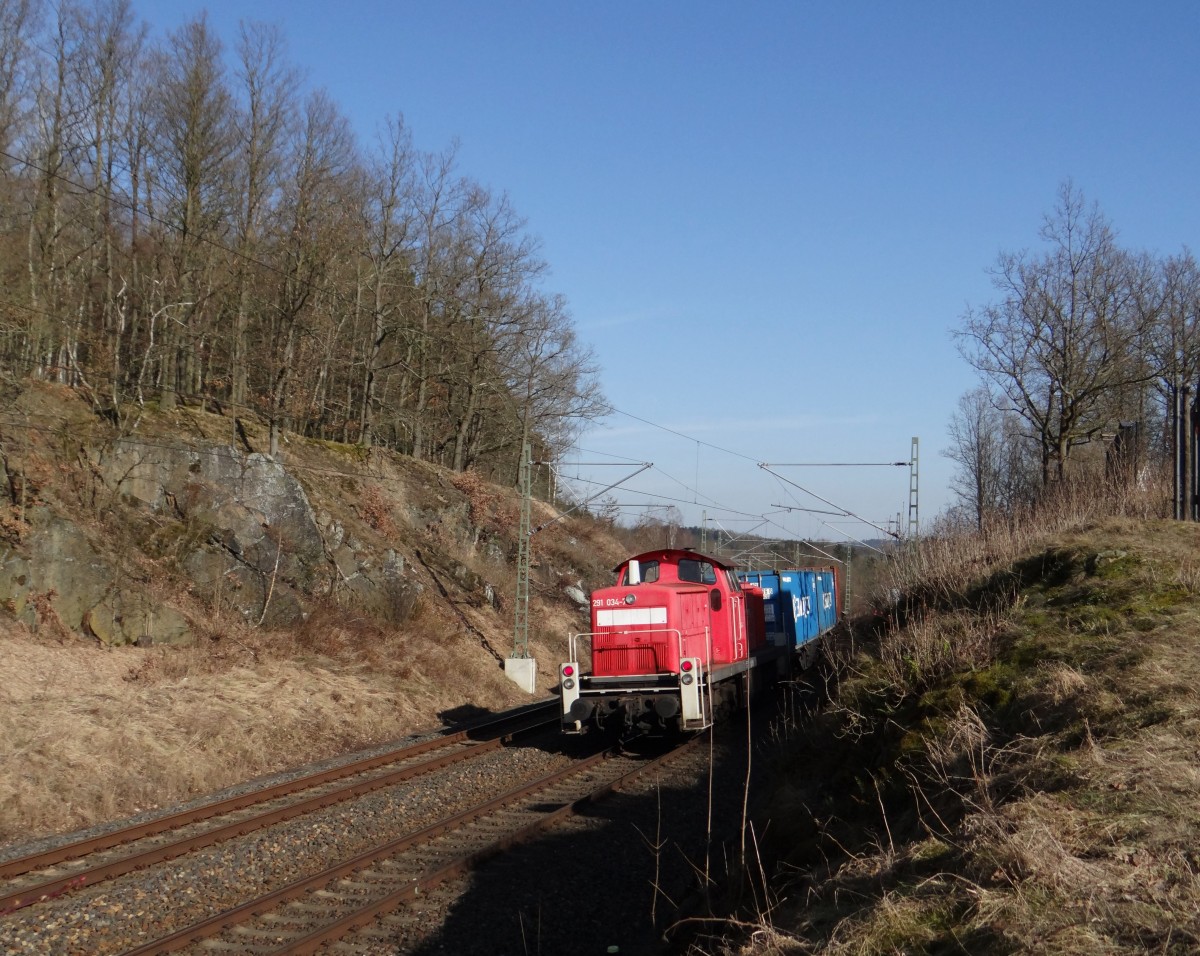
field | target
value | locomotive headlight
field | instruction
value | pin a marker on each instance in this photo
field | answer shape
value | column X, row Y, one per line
column 569, row 683
column 686, row 665
column 630, row 598
column 686, row 679
column 568, row 670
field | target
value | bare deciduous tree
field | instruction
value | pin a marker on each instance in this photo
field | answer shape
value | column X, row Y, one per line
column 194, row 143
column 1063, row 343
column 996, row 471
column 268, row 111
column 172, row 228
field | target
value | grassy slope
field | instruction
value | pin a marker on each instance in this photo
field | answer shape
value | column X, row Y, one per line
column 94, row 733
column 1016, row 770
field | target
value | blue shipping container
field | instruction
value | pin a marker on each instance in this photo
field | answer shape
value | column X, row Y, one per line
column 778, row 633
column 800, row 604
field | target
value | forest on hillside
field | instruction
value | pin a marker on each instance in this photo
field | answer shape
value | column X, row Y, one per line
column 181, row 220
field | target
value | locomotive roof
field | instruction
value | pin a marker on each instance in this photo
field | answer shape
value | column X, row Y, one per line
column 673, row 556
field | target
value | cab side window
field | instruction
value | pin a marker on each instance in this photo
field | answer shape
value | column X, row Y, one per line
column 696, row 572
column 689, row 570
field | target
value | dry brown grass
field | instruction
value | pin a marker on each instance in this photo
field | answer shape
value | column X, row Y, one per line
column 95, row 734
column 1010, row 764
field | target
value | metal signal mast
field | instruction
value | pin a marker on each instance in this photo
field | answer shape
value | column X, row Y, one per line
column 521, row 623
column 520, row 667
column 913, row 510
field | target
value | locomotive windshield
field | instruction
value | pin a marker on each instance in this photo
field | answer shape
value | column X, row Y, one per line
column 697, row 572
column 649, row 573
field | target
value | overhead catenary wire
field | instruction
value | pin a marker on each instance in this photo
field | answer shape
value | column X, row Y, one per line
column 678, row 434
column 581, row 504
column 695, row 492
column 840, row 464
column 846, row 511
column 779, row 478
column 805, row 541
column 743, row 534
column 590, row 451
column 684, row 485
column 783, row 483
column 852, row 538
column 814, row 511
column 682, row 501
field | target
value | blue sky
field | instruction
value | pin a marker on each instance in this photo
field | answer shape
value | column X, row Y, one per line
column 767, row 216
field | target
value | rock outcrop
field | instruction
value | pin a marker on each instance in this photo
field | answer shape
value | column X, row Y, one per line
column 158, row 533
column 238, row 525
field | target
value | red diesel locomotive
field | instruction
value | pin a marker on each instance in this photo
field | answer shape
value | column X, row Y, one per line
column 675, row 642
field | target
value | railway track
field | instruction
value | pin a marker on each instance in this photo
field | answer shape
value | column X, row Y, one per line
column 48, row 874
column 304, row 916
column 161, row 887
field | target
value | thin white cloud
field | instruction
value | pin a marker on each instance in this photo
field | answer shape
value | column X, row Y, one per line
column 637, row 317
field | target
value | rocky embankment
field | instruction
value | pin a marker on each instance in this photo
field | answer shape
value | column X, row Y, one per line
column 139, row 535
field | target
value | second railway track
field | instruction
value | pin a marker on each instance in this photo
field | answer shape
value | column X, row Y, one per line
column 327, row 865
column 69, row 869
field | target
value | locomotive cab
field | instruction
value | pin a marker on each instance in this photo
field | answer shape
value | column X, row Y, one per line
column 674, row 621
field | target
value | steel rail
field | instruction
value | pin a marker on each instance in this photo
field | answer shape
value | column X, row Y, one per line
column 412, row 888
column 299, row 888
column 314, row 941
column 528, row 718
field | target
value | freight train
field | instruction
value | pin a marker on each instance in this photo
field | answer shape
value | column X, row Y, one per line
column 682, row 638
